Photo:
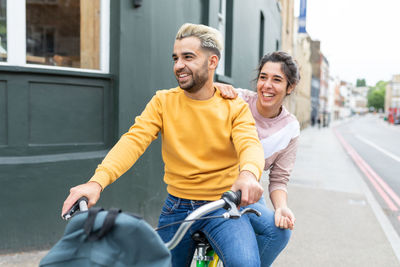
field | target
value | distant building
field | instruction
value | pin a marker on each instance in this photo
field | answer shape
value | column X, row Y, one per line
column 358, row 100
column 303, row 90
column 319, row 86
column 332, row 107
column 342, row 100
column 324, row 92
column 299, row 46
column 392, row 99
column 288, row 26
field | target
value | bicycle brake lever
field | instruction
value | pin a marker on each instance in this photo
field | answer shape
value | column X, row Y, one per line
column 232, row 212
column 250, row 210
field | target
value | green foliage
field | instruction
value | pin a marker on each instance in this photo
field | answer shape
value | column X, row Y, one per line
column 376, row 95
column 361, row 83
column 381, row 85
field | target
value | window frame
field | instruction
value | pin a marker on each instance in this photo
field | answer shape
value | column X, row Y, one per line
column 222, row 29
column 226, row 60
column 16, row 39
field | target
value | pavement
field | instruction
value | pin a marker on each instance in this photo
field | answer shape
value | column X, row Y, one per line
column 338, row 220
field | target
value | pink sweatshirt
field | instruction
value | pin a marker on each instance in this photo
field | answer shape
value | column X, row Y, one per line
column 279, row 138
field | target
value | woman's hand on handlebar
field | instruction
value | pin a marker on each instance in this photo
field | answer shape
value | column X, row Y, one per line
column 250, row 187
column 91, row 190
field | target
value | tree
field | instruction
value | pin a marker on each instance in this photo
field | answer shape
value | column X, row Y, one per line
column 376, row 95
column 361, row 83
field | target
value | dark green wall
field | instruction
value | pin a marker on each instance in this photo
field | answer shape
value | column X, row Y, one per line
column 56, row 126
column 245, row 57
column 144, row 65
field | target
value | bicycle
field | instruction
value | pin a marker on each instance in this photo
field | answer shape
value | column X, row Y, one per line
column 204, row 255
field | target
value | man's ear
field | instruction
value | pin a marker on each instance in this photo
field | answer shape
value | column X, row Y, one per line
column 213, row 62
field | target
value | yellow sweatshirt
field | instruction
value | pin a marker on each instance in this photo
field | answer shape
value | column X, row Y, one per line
column 204, row 143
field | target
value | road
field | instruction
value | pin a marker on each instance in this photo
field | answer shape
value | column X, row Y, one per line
column 374, row 146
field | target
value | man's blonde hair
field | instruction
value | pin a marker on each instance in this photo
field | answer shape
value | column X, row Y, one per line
column 210, row 38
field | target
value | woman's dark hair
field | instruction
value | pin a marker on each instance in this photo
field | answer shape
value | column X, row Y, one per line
column 288, row 65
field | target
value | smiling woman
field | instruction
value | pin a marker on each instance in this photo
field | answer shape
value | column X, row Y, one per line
column 278, row 131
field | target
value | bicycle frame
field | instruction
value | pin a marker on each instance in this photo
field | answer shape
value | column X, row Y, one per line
column 209, row 263
column 184, row 227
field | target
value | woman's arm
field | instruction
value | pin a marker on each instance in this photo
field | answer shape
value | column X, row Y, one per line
column 284, row 217
column 279, row 176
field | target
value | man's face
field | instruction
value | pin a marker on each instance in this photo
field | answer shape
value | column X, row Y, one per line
column 190, row 64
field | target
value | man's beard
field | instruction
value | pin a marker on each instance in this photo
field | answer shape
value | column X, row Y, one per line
column 197, row 82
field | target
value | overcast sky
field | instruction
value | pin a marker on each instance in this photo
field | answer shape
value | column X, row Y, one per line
column 360, row 38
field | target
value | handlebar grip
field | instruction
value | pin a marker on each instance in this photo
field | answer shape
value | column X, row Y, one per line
column 234, row 197
column 80, row 204
column 239, row 197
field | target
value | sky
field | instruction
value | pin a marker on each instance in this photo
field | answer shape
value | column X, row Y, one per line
column 360, row 38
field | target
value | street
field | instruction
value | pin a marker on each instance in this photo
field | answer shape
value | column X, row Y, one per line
column 377, row 147
column 339, row 216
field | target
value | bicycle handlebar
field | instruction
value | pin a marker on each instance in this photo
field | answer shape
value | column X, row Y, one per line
column 229, row 200
column 184, row 227
column 80, row 205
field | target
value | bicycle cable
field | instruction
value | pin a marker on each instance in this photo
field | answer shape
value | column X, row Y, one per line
column 182, row 221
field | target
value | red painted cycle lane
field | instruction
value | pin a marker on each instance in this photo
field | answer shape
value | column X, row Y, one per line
column 383, row 189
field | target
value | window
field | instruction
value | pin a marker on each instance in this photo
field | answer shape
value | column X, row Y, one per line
column 222, row 29
column 62, row 34
column 396, row 90
column 225, row 26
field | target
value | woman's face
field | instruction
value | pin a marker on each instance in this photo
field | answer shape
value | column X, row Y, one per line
column 271, row 89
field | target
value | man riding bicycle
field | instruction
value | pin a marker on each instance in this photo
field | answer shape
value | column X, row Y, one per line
column 209, row 145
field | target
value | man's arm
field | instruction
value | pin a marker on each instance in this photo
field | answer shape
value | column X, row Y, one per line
column 251, row 155
column 122, row 156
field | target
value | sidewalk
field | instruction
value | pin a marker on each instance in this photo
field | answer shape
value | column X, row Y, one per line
column 337, row 223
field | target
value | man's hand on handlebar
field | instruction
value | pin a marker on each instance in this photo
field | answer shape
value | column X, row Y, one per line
column 91, row 190
column 250, row 187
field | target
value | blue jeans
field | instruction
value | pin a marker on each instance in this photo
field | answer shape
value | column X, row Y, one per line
column 233, row 240
column 271, row 240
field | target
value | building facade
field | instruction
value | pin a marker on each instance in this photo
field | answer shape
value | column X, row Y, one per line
column 341, row 98
column 299, row 46
column 288, row 26
column 392, row 99
column 315, row 81
column 299, row 103
column 324, row 93
column 358, row 100
column 74, row 74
